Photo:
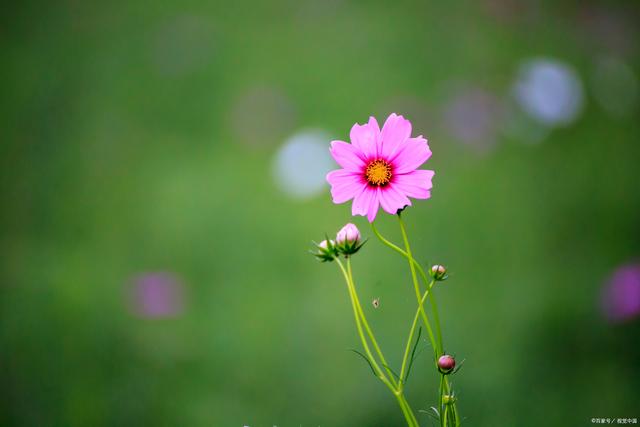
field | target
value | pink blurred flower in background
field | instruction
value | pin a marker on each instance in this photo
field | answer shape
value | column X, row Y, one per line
column 621, row 294
column 380, row 167
column 157, row 295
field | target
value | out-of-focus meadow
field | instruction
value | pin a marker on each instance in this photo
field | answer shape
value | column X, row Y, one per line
column 162, row 176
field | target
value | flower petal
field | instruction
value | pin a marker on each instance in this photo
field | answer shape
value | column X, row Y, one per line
column 345, row 185
column 373, row 206
column 365, row 138
column 410, row 155
column 347, row 156
column 392, row 200
column 395, row 131
column 363, row 202
column 416, row 184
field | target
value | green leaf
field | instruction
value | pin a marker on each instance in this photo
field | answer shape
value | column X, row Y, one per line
column 366, row 359
column 413, row 355
column 435, row 416
column 392, row 371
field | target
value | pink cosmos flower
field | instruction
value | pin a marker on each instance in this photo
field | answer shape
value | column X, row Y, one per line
column 380, row 167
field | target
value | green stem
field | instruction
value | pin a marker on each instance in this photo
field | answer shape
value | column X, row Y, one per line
column 387, row 242
column 423, row 275
column 445, row 416
column 360, row 319
column 436, row 320
column 434, row 307
column 440, row 399
column 411, row 333
column 416, row 287
column 363, row 318
column 438, row 348
column 456, row 416
column 356, row 314
column 406, row 410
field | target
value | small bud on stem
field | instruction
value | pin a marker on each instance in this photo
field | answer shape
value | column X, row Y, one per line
column 438, row 272
column 446, row 363
column 326, row 250
column 348, row 240
column 348, row 234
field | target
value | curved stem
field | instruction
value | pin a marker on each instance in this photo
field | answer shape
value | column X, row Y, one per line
column 438, row 348
column 425, row 279
column 440, row 399
column 434, row 307
column 411, row 333
column 416, row 287
column 387, row 242
column 363, row 318
column 445, row 416
column 456, row 415
column 406, row 410
column 356, row 314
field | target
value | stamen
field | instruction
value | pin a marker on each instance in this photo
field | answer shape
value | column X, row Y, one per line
column 378, row 173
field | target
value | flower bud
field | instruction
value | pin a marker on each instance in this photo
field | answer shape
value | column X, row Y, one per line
column 438, row 272
column 324, row 245
column 326, row 250
column 349, row 234
column 446, row 363
column 348, row 240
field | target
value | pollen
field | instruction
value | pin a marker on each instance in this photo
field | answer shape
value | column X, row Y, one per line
column 378, row 173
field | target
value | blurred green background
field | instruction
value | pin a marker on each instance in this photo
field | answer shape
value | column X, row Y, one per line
column 154, row 229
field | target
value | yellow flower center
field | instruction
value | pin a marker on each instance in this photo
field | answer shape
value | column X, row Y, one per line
column 378, row 173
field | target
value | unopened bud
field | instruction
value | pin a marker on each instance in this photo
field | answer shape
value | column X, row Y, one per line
column 326, row 250
column 324, row 245
column 438, row 272
column 349, row 234
column 348, row 240
column 446, row 363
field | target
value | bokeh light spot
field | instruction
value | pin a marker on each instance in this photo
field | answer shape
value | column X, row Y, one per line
column 549, row 91
column 302, row 163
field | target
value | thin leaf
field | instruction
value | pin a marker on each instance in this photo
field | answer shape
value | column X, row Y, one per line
column 459, row 366
column 431, row 414
column 392, row 371
column 366, row 359
column 413, row 354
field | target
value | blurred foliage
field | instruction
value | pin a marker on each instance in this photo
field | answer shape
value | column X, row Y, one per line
column 124, row 150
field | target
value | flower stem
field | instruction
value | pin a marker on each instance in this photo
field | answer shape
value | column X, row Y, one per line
column 365, row 345
column 363, row 318
column 438, row 345
column 440, row 399
column 416, row 287
column 439, row 349
column 360, row 320
column 456, row 416
column 423, row 275
column 406, row 410
column 410, row 339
